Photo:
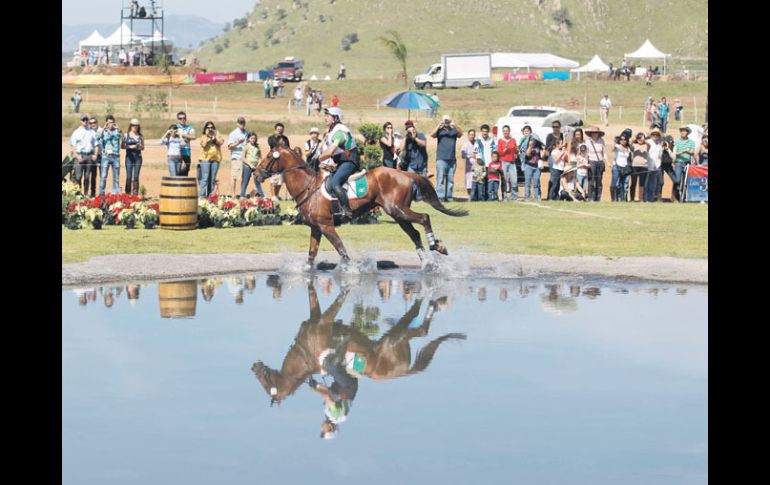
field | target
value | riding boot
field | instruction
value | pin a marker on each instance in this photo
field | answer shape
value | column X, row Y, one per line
column 342, row 196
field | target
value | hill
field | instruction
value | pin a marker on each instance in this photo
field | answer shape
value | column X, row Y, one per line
column 186, row 31
column 577, row 29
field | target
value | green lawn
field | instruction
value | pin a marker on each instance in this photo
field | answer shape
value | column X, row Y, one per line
column 561, row 229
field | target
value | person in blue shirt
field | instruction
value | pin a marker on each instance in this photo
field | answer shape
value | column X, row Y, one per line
column 110, row 145
column 187, row 134
column 663, row 109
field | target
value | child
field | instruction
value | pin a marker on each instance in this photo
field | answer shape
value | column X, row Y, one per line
column 174, row 157
column 251, row 157
column 582, row 166
column 479, row 172
column 494, row 170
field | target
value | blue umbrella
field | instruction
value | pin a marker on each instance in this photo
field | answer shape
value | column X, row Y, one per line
column 409, row 100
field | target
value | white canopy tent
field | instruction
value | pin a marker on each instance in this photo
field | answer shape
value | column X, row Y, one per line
column 648, row 51
column 530, row 61
column 93, row 40
column 158, row 40
column 123, row 36
column 594, row 65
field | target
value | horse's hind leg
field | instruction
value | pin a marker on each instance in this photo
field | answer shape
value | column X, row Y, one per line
column 412, row 233
column 409, row 215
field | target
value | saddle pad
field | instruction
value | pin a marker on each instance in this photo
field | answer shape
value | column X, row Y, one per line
column 355, row 188
column 355, row 364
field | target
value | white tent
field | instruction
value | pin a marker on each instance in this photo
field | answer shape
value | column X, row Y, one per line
column 93, row 40
column 530, row 60
column 648, row 51
column 156, row 38
column 122, row 36
column 594, row 65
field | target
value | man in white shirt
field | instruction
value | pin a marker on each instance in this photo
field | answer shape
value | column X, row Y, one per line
column 84, row 143
column 236, row 143
column 298, row 98
column 654, row 160
column 604, row 106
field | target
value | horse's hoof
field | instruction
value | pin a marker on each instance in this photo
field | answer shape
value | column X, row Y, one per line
column 307, row 267
column 440, row 248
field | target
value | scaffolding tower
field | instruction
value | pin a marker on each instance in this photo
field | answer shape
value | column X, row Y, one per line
column 149, row 13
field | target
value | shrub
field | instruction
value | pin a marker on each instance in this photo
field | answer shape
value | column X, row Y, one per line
column 561, row 16
column 348, row 40
column 226, row 43
column 372, row 132
column 218, row 48
column 372, row 157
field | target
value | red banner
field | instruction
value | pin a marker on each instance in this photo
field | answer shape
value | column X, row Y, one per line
column 520, row 76
column 698, row 171
column 219, row 77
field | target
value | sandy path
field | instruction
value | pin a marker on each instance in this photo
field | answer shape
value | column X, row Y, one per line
column 146, row 267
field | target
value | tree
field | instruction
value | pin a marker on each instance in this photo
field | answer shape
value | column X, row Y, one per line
column 396, row 47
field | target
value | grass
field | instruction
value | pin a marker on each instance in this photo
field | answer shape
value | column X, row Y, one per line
column 564, row 229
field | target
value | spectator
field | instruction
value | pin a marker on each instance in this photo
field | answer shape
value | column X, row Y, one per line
column 479, row 176
column 570, row 189
column 486, row 145
column 281, row 86
column 85, row 144
column 648, row 110
column 446, row 162
column 174, row 157
column 251, row 157
column 550, row 142
column 597, row 160
column 582, row 166
column 702, row 153
column 319, row 101
column 298, row 98
column 415, row 154
column 678, row 109
column 210, row 157
column 123, row 57
column 684, row 151
column 93, row 165
column 267, row 88
column 663, row 109
column 387, row 146
column 508, row 150
column 335, row 101
column 236, row 142
column 133, row 143
column 309, row 101
column 621, row 169
column 494, row 171
column 275, row 140
column 468, row 152
column 656, row 149
column 312, row 148
column 531, row 167
column 432, row 110
column 341, row 73
column 110, row 145
column 573, row 147
column 604, row 107
column 76, row 99
column 186, row 135
column 559, row 156
column 666, row 166
column 639, row 164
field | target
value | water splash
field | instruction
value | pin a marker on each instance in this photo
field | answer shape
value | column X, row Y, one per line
column 453, row 266
column 513, row 270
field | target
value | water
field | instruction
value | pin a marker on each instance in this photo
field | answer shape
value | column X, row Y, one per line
column 557, row 381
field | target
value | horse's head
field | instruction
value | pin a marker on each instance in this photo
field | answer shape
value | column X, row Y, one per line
column 271, row 381
column 278, row 160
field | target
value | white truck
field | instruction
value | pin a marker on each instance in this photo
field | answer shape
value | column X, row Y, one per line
column 457, row 71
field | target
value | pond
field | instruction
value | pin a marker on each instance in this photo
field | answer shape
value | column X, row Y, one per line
column 324, row 378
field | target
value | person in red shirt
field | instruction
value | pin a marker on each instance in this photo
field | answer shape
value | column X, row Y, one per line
column 494, row 170
column 335, row 101
column 508, row 151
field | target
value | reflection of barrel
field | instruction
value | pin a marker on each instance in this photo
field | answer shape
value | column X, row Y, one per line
column 178, row 203
column 178, row 299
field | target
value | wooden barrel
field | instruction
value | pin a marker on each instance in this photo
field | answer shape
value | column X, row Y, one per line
column 178, row 203
column 178, row 299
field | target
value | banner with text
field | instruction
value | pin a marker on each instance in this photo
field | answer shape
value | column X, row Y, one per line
column 520, row 76
column 219, row 77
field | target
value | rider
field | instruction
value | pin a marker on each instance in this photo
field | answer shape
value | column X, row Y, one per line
column 340, row 146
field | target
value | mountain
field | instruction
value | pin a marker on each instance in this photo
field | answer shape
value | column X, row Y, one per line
column 186, row 31
column 317, row 31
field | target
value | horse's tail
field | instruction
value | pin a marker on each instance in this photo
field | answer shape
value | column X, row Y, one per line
column 430, row 196
column 425, row 355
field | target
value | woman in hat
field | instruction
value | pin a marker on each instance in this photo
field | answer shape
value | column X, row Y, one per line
column 312, row 148
column 621, row 169
column 597, row 160
column 702, row 153
column 570, row 189
column 639, row 150
column 210, row 158
column 133, row 143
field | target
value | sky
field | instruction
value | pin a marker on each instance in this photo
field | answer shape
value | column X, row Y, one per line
column 76, row 12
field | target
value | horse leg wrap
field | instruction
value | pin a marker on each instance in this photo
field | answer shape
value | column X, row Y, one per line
column 431, row 239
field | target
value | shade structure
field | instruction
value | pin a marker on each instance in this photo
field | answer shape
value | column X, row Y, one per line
column 93, row 40
column 410, row 100
column 530, row 60
column 123, row 36
column 648, row 51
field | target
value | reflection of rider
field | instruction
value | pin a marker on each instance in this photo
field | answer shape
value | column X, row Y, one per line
column 340, row 146
column 339, row 396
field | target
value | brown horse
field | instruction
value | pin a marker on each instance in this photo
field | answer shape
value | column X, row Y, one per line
column 388, row 188
column 387, row 358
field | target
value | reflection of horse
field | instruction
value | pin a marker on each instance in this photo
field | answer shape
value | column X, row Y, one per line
column 387, row 188
column 387, row 358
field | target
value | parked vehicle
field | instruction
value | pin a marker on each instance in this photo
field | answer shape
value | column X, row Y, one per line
column 289, row 69
column 456, row 71
column 518, row 116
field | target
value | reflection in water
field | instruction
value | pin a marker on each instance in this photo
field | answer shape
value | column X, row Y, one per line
column 177, row 299
column 558, row 299
column 345, row 353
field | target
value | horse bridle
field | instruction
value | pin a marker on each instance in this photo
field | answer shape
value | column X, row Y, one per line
column 268, row 172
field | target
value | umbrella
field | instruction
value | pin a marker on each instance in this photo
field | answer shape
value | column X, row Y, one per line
column 409, row 100
column 564, row 117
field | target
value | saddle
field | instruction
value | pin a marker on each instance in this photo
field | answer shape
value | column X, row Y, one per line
column 356, row 186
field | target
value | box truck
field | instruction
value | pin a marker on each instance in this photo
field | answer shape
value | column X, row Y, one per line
column 457, row 71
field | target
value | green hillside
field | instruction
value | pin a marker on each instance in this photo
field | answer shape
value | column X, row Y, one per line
column 313, row 30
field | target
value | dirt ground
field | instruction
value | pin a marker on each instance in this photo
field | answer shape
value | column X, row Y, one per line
column 154, row 168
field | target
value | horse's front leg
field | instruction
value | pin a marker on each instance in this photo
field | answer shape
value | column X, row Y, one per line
column 334, row 238
column 315, row 240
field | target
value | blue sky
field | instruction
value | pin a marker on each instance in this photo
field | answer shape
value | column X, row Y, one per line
column 75, row 12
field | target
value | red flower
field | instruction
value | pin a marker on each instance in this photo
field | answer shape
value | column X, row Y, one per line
column 228, row 205
column 155, row 207
column 214, row 198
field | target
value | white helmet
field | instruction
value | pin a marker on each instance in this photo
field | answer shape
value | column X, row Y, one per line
column 334, row 111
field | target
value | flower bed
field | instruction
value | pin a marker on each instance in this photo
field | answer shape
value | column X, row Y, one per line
column 225, row 211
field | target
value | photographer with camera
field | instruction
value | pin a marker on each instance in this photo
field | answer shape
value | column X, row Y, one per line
column 236, row 142
column 186, row 135
column 110, row 145
column 210, row 158
column 446, row 162
column 657, row 148
column 173, row 140
column 414, row 155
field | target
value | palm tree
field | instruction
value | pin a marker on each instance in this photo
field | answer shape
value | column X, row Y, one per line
column 398, row 49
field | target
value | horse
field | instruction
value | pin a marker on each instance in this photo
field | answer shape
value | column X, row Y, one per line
column 389, row 189
column 387, row 358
